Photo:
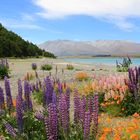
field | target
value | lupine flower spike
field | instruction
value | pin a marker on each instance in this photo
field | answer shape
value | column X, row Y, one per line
column 2, row 105
column 9, row 100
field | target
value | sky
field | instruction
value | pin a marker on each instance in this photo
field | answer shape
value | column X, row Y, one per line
column 42, row 20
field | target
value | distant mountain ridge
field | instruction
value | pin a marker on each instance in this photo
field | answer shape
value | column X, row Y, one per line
column 92, row 48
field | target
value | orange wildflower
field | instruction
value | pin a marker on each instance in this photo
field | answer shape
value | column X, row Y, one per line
column 135, row 115
column 102, row 137
column 133, row 137
column 135, row 125
column 14, row 103
column 117, row 136
column 129, row 129
column 106, row 129
column 115, row 97
column 81, row 75
column 118, row 102
column 135, row 120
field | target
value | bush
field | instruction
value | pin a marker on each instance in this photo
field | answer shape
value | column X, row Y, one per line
column 34, row 66
column 4, row 71
column 70, row 67
column 80, row 76
column 124, row 66
column 130, row 105
column 46, row 67
column 49, row 54
column 131, row 101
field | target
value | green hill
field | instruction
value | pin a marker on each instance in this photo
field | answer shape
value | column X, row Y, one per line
column 12, row 45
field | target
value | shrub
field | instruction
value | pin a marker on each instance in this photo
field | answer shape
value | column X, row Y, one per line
column 130, row 105
column 46, row 67
column 34, row 66
column 131, row 101
column 4, row 71
column 70, row 67
column 124, row 66
column 4, row 68
column 80, row 76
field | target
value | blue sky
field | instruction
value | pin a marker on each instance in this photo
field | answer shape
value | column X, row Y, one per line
column 42, row 20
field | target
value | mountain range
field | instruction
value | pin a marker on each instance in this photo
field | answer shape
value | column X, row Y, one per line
column 92, row 48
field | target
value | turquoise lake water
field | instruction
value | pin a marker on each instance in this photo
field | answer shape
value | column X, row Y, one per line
column 102, row 60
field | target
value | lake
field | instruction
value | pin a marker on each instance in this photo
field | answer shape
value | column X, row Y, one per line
column 102, row 60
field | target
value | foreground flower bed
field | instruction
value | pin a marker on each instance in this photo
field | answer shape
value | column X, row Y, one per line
column 20, row 120
column 100, row 108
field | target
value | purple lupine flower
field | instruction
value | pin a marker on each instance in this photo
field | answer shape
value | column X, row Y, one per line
column 87, row 125
column 19, row 112
column 76, row 107
column 30, row 104
column 90, row 104
column 63, row 112
column 54, row 98
column 20, row 88
column 9, row 101
column 137, row 74
column 38, row 115
column 10, row 129
column 47, row 127
column 48, row 91
column 67, row 95
column 27, row 95
column 51, row 122
column 95, row 112
column 33, row 87
column 34, row 66
column 2, row 105
column 82, row 109
column 133, row 83
column 60, row 89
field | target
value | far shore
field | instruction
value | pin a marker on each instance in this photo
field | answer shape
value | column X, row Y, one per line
column 85, row 56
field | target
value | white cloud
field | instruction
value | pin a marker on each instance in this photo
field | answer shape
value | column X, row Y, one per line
column 121, row 23
column 13, row 23
column 27, row 17
column 106, row 9
column 17, row 24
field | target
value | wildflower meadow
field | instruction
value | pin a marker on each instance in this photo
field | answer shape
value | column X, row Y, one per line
column 92, row 107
